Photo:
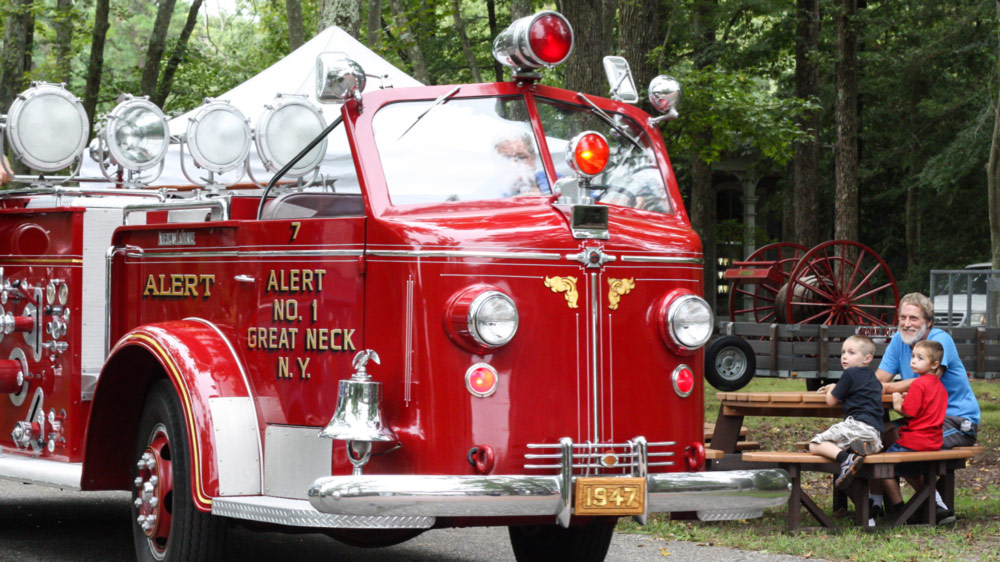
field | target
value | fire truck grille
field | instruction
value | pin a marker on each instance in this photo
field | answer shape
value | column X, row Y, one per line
column 603, row 459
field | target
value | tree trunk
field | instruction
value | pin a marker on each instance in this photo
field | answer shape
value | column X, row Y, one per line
column 178, row 55
column 409, row 40
column 519, row 9
column 345, row 14
column 63, row 25
column 806, row 162
column 491, row 11
column 154, row 53
column 96, row 65
column 846, row 112
column 470, row 57
column 640, row 31
column 592, row 22
column 296, row 31
column 374, row 23
column 702, row 191
column 993, row 184
column 17, row 38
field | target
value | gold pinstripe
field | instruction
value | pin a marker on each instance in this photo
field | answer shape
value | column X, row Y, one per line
column 175, row 374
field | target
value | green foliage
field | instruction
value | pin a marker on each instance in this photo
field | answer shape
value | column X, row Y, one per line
column 740, row 113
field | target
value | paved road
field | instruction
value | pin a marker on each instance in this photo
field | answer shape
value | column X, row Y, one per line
column 39, row 524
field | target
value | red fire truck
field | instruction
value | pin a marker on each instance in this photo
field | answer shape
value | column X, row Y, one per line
column 491, row 315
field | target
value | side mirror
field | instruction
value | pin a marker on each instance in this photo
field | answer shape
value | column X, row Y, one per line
column 620, row 79
column 665, row 96
column 338, row 78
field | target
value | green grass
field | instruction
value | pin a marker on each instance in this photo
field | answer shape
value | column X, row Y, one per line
column 975, row 536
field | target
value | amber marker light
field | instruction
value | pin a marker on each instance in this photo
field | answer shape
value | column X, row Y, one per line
column 481, row 380
column 588, row 153
column 683, row 380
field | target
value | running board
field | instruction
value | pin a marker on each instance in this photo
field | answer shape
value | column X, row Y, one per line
column 57, row 474
column 300, row 513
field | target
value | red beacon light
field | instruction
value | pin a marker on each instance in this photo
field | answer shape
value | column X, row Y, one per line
column 588, row 153
column 544, row 39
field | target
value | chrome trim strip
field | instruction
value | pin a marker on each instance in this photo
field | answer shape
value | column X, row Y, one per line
column 595, row 303
column 247, row 254
column 522, row 495
column 408, row 330
column 463, row 254
column 663, row 259
column 299, row 513
column 56, row 474
column 566, row 511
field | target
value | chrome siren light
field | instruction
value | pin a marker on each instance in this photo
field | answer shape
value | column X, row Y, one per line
column 284, row 129
column 47, row 127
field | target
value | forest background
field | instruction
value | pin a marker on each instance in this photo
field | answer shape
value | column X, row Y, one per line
column 873, row 121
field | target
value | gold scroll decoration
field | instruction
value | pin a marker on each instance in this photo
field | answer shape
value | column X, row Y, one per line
column 618, row 288
column 564, row 285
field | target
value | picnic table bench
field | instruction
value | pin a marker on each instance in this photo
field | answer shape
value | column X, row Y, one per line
column 938, row 470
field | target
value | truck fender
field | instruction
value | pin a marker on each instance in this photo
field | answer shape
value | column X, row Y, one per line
column 215, row 395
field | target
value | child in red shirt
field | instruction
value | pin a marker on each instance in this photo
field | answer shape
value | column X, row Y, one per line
column 924, row 407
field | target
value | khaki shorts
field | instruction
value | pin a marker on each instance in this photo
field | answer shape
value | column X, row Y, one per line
column 843, row 433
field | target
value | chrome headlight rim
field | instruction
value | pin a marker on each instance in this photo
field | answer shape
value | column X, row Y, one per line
column 473, row 321
column 198, row 153
column 262, row 137
column 119, row 156
column 16, row 114
column 675, row 304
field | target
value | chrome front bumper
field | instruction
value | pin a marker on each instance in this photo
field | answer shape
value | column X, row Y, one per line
column 714, row 495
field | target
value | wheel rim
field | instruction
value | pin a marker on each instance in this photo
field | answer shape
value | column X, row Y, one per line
column 730, row 364
column 154, row 491
column 841, row 282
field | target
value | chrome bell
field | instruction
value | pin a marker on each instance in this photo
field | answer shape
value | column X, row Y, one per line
column 359, row 407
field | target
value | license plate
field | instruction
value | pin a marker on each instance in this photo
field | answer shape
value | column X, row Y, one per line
column 610, row 496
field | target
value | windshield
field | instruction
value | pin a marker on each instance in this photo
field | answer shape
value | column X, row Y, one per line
column 463, row 149
column 469, row 149
column 631, row 178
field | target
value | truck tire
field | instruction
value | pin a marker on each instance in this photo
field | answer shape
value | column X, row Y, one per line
column 178, row 532
column 552, row 543
column 729, row 363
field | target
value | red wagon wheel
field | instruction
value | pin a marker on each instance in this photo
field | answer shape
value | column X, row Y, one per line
column 783, row 256
column 840, row 282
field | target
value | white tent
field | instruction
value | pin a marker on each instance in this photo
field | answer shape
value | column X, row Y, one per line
column 294, row 74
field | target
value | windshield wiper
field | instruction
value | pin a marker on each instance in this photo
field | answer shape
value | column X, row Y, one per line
column 436, row 103
column 607, row 119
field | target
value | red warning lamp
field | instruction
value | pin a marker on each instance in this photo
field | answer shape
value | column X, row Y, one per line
column 588, row 153
column 544, row 39
column 550, row 38
column 683, row 380
column 481, row 380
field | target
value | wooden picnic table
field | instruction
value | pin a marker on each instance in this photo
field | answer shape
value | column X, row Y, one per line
column 734, row 406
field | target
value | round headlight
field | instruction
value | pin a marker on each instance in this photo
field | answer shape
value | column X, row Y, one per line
column 481, row 317
column 284, row 129
column 493, row 319
column 47, row 127
column 219, row 137
column 690, row 320
column 137, row 134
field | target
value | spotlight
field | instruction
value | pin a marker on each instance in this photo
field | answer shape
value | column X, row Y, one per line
column 284, row 129
column 47, row 127
column 219, row 137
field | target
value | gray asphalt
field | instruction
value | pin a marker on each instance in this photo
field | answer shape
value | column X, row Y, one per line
column 39, row 524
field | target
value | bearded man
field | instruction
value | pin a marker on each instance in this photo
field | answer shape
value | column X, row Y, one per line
column 916, row 319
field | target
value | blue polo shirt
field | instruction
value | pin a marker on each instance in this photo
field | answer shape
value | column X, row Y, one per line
column 961, row 400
